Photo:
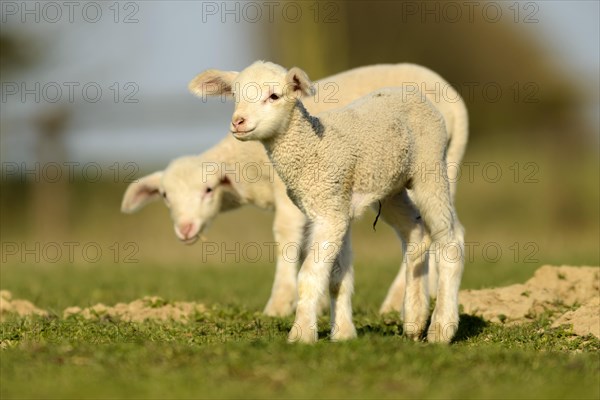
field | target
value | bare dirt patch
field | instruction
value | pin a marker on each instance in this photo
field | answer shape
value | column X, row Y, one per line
column 551, row 289
column 584, row 320
column 22, row 308
column 147, row 308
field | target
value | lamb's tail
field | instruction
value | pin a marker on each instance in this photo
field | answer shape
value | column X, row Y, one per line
column 457, row 144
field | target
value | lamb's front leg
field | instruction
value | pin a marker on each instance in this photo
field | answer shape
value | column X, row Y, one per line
column 327, row 237
column 341, row 287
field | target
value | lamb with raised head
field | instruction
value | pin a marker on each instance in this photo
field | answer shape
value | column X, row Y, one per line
column 337, row 164
column 189, row 181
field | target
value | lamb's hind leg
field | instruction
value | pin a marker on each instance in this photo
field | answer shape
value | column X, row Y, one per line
column 341, row 287
column 408, row 292
column 394, row 300
column 432, row 198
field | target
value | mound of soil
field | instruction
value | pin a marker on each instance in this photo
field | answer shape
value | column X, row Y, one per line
column 584, row 320
column 22, row 308
column 550, row 289
column 148, row 308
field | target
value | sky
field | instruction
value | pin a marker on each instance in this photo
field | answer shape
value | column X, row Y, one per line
column 570, row 30
column 141, row 56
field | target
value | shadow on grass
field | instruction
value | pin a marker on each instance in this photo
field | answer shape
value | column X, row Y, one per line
column 468, row 327
column 389, row 325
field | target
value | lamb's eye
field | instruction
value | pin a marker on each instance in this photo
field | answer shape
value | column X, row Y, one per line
column 208, row 190
column 274, row 97
column 164, row 195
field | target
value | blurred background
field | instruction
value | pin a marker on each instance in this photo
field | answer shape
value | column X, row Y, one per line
column 94, row 95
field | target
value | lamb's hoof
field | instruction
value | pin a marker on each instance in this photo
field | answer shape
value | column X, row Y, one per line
column 279, row 309
column 346, row 333
column 439, row 332
column 413, row 330
column 415, row 320
column 302, row 335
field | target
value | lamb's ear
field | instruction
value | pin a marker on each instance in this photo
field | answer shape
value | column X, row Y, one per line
column 299, row 82
column 212, row 82
column 142, row 192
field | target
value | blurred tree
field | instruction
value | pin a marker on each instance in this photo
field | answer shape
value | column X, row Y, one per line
column 510, row 85
column 50, row 198
column 17, row 52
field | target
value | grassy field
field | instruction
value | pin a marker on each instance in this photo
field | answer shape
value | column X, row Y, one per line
column 234, row 351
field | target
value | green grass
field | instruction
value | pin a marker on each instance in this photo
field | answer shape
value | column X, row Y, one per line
column 234, row 351
column 77, row 359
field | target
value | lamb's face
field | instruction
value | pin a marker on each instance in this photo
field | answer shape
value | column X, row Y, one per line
column 192, row 188
column 193, row 192
column 265, row 95
column 263, row 102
